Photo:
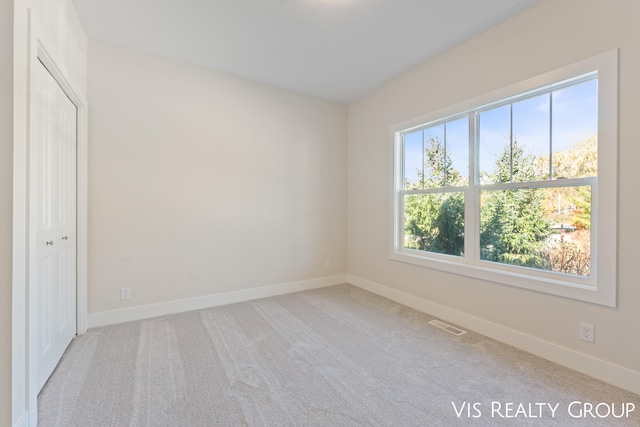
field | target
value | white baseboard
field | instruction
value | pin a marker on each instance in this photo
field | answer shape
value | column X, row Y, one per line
column 601, row 369
column 103, row 318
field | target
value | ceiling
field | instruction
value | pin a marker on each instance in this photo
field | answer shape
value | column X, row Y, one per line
column 334, row 49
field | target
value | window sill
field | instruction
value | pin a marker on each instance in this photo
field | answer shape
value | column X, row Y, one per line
column 521, row 277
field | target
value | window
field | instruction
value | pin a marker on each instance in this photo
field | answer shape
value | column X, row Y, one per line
column 518, row 186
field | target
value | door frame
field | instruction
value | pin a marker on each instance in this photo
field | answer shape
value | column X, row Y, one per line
column 24, row 292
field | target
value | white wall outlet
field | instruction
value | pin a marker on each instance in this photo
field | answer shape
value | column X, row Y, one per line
column 586, row 332
column 125, row 293
column 327, row 263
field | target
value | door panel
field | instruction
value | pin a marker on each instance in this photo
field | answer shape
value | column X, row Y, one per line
column 54, row 217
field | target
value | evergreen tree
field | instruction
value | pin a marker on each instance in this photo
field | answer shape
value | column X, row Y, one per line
column 513, row 226
column 435, row 222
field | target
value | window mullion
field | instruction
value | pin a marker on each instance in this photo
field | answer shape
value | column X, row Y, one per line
column 471, row 230
column 550, row 135
column 567, row 182
column 444, row 156
column 434, row 190
column 510, row 142
column 422, row 166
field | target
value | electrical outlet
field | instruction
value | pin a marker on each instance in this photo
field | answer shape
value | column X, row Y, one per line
column 125, row 293
column 327, row 263
column 586, row 332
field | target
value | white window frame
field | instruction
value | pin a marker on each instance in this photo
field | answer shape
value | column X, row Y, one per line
column 600, row 286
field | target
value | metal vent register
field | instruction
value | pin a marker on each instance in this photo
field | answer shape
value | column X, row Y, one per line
column 444, row 326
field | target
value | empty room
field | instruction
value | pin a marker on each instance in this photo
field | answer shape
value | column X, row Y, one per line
column 319, row 212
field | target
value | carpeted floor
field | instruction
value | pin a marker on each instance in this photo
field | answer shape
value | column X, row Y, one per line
column 337, row 356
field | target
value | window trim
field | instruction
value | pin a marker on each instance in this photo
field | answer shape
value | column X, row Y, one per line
column 601, row 286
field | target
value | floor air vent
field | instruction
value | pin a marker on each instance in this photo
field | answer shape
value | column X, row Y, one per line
column 447, row 327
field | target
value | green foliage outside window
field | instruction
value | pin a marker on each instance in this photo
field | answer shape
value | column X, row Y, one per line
column 543, row 228
column 435, row 222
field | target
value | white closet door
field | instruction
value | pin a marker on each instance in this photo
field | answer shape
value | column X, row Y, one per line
column 53, row 219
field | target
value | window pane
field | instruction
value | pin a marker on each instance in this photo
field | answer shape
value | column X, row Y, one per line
column 413, row 160
column 531, row 139
column 457, row 152
column 544, row 228
column 434, row 157
column 575, row 130
column 494, row 145
column 435, row 222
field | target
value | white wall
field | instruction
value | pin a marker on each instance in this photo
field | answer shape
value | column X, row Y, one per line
column 550, row 35
column 202, row 183
column 67, row 41
column 6, row 170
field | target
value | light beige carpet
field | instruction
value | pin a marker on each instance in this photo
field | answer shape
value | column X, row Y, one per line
column 336, row 356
